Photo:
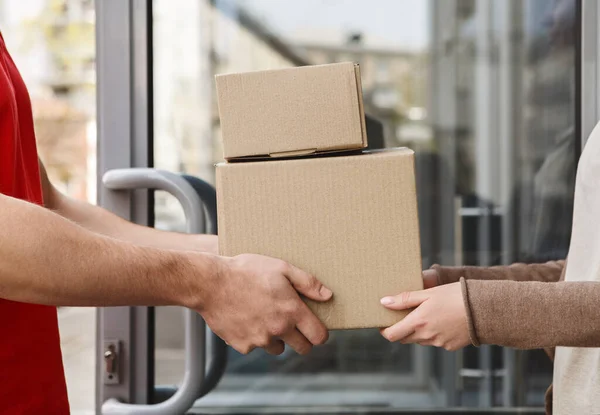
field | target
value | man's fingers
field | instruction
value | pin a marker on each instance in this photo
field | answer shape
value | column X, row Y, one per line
column 400, row 330
column 405, row 300
column 308, row 285
column 297, row 341
column 276, row 347
column 311, row 327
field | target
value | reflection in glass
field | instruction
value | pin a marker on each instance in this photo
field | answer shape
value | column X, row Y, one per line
column 484, row 91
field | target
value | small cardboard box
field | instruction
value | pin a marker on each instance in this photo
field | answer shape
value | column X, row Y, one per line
column 350, row 220
column 292, row 111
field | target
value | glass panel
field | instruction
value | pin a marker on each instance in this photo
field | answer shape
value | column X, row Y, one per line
column 507, row 108
column 483, row 90
column 53, row 44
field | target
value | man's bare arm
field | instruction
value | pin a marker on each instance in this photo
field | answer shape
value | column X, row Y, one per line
column 249, row 300
column 106, row 223
column 47, row 259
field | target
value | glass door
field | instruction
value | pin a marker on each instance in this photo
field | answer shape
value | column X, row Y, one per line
column 485, row 92
column 505, row 111
column 357, row 368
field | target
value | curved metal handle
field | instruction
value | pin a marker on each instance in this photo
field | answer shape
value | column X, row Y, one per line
column 195, row 352
column 208, row 195
column 216, row 347
column 215, row 368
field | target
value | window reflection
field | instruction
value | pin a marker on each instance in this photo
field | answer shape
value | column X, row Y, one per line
column 550, row 125
column 484, row 91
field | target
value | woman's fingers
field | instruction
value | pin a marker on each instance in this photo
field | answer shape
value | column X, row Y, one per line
column 400, row 330
column 405, row 300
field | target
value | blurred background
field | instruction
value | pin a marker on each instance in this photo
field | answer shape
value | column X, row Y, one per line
column 485, row 91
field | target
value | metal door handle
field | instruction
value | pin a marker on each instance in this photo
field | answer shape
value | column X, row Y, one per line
column 216, row 347
column 195, row 351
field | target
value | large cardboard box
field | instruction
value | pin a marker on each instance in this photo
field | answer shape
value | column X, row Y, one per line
column 283, row 112
column 350, row 220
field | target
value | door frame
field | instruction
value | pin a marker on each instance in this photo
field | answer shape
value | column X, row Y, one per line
column 125, row 140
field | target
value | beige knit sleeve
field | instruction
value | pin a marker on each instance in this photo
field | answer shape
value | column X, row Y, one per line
column 532, row 315
column 547, row 272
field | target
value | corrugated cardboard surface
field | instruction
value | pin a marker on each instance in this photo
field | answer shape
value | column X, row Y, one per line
column 350, row 220
column 308, row 109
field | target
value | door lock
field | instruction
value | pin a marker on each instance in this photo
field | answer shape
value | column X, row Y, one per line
column 111, row 362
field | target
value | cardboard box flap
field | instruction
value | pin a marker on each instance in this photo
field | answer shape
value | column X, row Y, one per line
column 309, row 109
column 291, row 155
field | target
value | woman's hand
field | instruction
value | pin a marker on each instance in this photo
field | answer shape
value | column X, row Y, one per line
column 439, row 317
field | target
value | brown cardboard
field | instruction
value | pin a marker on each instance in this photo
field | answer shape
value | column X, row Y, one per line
column 350, row 220
column 291, row 111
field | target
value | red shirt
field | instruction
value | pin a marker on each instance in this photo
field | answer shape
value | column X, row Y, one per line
column 31, row 371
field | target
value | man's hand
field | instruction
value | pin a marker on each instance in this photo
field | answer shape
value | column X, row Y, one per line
column 255, row 303
column 439, row 318
column 250, row 301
